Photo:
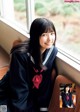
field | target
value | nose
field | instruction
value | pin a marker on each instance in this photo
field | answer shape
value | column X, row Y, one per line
column 49, row 37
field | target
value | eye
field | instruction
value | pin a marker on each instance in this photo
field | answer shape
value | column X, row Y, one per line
column 44, row 34
column 52, row 33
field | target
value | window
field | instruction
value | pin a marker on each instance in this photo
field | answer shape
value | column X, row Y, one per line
column 0, row 9
column 14, row 11
column 20, row 12
column 66, row 18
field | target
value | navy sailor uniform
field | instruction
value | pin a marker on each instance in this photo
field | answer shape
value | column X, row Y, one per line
column 24, row 96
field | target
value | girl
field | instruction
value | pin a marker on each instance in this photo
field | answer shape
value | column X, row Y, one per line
column 67, row 97
column 31, row 67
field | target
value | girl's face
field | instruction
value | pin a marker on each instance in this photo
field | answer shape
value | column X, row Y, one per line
column 67, row 89
column 46, row 40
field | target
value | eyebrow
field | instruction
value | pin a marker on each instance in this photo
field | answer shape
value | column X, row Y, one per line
column 49, row 32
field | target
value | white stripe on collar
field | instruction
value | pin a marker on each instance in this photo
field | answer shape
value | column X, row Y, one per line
column 47, row 57
column 31, row 57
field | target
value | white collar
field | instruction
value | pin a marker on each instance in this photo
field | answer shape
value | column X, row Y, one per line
column 47, row 57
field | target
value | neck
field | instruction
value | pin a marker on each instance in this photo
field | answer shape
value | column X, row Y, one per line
column 42, row 50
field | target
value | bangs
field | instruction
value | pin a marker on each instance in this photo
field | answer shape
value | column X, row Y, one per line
column 48, row 27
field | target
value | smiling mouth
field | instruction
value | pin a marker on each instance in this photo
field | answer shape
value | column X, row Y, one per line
column 48, row 43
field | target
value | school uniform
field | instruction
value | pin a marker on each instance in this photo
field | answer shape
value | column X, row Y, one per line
column 30, row 86
column 67, row 99
column 4, row 94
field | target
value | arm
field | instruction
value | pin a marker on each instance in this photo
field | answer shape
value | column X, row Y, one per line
column 53, row 61
column 55, row 51
column 54, row 70
column 71, row 101
column 4, row 89
column 19, row 82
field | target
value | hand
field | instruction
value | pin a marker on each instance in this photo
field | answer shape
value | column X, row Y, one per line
column 70, row 106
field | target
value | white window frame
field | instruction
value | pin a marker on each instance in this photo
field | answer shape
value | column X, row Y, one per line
column 7, row 9
column 30, row 12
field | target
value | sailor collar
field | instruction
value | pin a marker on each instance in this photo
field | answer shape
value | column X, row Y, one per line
column 46, row 59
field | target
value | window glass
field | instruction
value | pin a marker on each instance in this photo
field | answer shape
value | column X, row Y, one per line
column 66, row 17
column 14, row 11
column 20, row 12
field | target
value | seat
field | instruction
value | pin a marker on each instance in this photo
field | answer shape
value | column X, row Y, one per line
column 16, row 42
column 55, row 104
column 3, row 70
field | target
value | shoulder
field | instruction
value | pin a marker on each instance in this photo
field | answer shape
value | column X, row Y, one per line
column 19, row 57
column 22, row 47
column 55, row 50
column 20, row 50
column 63, row 94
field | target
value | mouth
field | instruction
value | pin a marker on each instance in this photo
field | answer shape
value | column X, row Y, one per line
column 48, row 44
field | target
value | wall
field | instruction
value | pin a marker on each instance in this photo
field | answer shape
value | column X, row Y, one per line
column 8, row 36
column 67, row 70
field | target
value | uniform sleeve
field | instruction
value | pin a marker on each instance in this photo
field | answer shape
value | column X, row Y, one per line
column 4, row 89
column 20, row 91
column 71, row 101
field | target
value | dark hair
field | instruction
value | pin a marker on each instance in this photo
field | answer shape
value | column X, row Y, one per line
column 39, row 26
column 67, row 85
column 22, row 47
